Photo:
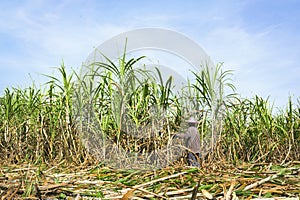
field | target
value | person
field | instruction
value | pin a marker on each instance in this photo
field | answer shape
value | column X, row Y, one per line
column 192, row 142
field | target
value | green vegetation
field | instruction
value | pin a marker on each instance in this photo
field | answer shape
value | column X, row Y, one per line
column 45, row 131
column 41, row 125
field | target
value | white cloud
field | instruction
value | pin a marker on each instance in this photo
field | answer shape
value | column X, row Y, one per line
column 260, row 66
column 46, row 40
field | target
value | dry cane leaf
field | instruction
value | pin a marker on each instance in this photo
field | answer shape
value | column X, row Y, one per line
column 128, row 195
column 77, row 197
column 264, row 180
column 8, row 193
column 206, row 194
column 11, row 193
column 228, row 195
column 195, row 191
column 234, row 197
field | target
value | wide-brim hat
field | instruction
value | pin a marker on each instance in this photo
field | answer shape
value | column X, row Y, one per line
column 192, row 120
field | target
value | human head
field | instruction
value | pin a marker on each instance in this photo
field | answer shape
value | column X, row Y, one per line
column 192, row 121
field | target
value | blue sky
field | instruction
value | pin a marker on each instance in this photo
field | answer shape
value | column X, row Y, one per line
column 258, row 39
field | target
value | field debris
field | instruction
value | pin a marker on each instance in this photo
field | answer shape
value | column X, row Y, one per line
column 99, row 182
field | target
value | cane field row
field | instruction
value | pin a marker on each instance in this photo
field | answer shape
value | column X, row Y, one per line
column 42, row 135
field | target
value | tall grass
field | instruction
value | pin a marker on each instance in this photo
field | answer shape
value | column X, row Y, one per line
column 127, row 110
column 36, row 125
column 253, row 134
column 210, row 92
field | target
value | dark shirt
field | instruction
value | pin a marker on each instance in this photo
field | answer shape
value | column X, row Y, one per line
column 192, row 139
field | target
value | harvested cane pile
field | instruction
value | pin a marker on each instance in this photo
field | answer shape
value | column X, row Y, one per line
column 211, row 181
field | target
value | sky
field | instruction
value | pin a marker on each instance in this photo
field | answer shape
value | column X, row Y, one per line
column 257, row 39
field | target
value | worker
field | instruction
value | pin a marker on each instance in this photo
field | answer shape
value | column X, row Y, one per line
column 192, row 142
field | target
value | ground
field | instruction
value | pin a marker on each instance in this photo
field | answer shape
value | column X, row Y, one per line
column 210, row 181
